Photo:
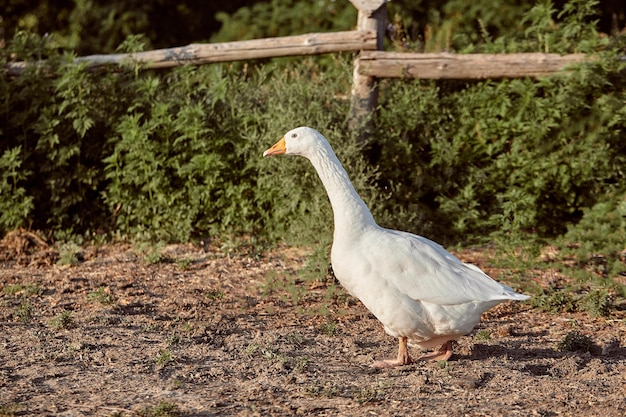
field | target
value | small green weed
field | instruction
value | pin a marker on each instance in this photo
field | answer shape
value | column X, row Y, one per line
column 294, row 338
column 575, row 341
column 184, row 263
column 373, row 393
column 597, row 303
column 151, row 253
column 173, row 339
column 554, row 301
column 10, row 410
column 25, row 311
column 163, row 409
column 26, row 290
column 327, row 390
column 482, row 336
column 69, row 254
column 301, row 363
column 100, row 296
column 164, row 357
column 329, row 328
column 214, row 295
column 251, row 349
column 63, row 320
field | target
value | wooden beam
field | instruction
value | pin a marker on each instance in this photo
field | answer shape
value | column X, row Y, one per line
column 441, row 66
column 368, row 6
column 309, row 44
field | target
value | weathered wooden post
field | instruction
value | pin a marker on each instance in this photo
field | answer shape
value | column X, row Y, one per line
column 364, row 95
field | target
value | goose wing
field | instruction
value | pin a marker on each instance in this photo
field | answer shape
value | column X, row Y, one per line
column 425, row 271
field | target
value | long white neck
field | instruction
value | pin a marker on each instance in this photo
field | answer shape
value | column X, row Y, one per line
column 350, row 212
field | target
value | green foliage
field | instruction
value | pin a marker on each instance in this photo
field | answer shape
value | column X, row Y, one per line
column 163, row 409
column 482, row 336
column 63, row 320
column 98, row 26
column 598, row 246
column 284, row 18
column 596, row 302
column 509, row 156
column 164, row 357
column 26, row 290
column 15, row 205
column 101, row 296
column 576, row 341
column 25, row 311
column 554, row 301
column 69, row 254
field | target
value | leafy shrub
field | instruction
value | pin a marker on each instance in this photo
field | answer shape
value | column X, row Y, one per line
column 284, row 18
column 596, row 243
column 596, row 302
column 508, row 156
column 171, row 155
column 576, row 341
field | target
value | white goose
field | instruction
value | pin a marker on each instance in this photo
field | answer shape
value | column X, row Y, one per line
column 420, row 292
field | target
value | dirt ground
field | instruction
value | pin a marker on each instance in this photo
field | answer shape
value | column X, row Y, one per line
column 199, row 333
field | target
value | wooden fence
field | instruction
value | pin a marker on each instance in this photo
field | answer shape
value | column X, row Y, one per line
column 371, row 63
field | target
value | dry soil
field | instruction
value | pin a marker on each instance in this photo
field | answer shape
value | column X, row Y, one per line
column 205, row 334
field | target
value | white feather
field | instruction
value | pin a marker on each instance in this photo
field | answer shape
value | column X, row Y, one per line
column 411, row 284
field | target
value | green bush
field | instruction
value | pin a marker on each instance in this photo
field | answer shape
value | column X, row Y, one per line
column 170, row 155
column 508, row 156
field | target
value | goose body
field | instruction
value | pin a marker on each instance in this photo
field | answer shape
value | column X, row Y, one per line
column 421, row 293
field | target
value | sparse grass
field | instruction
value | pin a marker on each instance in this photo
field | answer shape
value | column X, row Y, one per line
column 63, row 320
column 251, row 349
column 554, row 301
column 101, row 296
column 164, row 357
column 163, row 409
column 69, row 254
column 9, row 410
column 327, row 390
column 482, row 336
column 267, row 352
column 184, row 263
column 575, row 341
column 301, row 364
column 288, row 288
column 598, row 303
column 26, row 290
column 25, row 311
column 294, row 338
column 173, row 339
column 214, row 295
column 151, row 253
column 372, row 393
column 329, row 328
column 272, row 354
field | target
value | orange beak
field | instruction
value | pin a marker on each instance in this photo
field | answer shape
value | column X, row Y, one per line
column 279, row 148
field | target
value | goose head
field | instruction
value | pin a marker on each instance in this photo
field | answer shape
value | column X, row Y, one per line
column 304, row 141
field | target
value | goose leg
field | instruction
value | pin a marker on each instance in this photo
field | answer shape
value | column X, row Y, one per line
column 402, row 359
column 443, row 354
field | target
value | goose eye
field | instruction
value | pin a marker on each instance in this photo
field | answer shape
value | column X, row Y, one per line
column 294, row 135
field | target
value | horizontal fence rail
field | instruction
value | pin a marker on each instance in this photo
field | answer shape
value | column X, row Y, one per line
column 309, row 44
column 463, row 66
